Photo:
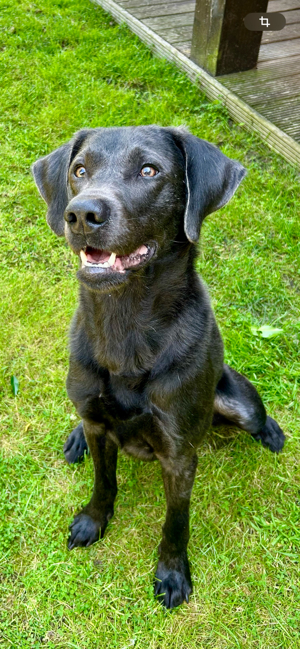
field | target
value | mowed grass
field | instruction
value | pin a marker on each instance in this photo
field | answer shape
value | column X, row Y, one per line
column 66, row 65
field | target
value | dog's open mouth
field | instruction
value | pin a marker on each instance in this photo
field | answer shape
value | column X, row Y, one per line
column 103, row 260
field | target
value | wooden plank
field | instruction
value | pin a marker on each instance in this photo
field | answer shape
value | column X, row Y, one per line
column 285, row 123
column 170, row 22
column 184, row 47
column 175, row 35
column 138, row 3
column 283, row 110
column 288, row 33
column 294, row 133
column 266, row 71
column 292, row 16
column 263, row 90
column 221, row 43
column 155, row 6
column 283, row 5
column 285, row 114
column 237, row 108
column 279, row 50
column 289, row 64
column 255, row 78
column 169, row 9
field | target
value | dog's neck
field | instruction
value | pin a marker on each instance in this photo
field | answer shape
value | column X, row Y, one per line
column 129, row 327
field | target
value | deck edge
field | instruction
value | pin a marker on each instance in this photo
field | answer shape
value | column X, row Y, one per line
column 238, row 109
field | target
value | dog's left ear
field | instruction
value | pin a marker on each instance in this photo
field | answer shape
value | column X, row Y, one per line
column 211, row 179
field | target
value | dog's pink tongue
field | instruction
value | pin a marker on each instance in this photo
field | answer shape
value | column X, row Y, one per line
column 95, row 256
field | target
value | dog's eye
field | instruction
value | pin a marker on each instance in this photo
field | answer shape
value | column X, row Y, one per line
column 80, row 171
column 148, row 172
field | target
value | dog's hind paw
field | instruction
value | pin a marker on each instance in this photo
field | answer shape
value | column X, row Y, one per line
column 172, row 587
column 271, row 436
column 75, row 447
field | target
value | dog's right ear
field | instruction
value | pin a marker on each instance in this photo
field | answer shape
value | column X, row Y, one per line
column 50, row 174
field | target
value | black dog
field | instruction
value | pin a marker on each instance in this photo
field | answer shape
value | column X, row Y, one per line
column 146, row 368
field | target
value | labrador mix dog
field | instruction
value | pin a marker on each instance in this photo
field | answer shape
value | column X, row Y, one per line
column 146, row 371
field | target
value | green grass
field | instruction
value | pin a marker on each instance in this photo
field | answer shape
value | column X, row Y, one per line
column 65, row 65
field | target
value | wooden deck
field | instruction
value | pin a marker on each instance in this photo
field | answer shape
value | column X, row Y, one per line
column 274, row 88
column 266, row 99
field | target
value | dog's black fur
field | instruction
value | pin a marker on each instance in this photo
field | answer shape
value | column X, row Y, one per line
column 146, row 368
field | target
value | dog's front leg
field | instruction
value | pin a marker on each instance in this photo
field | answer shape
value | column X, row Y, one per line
column 173, row 582
column 91, row 522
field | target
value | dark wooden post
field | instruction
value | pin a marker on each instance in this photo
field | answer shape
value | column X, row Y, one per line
column 221, row 43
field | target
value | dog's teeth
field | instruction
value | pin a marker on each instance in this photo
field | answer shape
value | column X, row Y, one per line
column 112, row 259
column 83, row 257
column 104, row 265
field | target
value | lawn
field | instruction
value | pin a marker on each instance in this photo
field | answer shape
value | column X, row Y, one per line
column 65, row 65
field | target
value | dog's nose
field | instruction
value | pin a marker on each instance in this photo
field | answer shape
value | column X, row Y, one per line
column 86, row 215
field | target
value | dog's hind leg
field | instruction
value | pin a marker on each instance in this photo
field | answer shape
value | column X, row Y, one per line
column 75, row 446
column 238, row 402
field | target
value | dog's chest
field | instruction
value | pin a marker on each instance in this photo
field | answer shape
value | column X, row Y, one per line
column 125, row 397
column 130, row 413
column 134, row 423
column 125, row 347
column 130, row 354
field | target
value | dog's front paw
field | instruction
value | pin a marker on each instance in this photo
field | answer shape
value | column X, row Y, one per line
column 83, row 531
column 173, row 585
column 271, row 436
column 86, row 529
column 75, row 447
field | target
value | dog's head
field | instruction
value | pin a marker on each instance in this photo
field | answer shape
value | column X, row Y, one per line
column 123, row 196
